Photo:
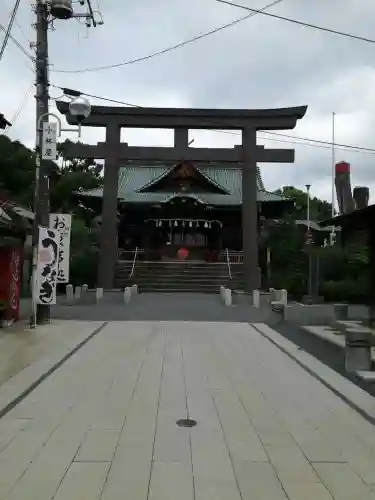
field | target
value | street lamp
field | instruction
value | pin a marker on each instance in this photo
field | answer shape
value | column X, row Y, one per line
column 81, row 109
column 308, row 187
column 309, row 241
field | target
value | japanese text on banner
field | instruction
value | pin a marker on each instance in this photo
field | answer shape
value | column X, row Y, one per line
column 63, row 224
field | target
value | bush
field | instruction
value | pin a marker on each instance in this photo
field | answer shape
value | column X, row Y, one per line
column 84, row 268
column 293, row 281
column 349, row 290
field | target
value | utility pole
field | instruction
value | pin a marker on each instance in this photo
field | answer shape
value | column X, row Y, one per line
column 41, row 201
column 45, row 11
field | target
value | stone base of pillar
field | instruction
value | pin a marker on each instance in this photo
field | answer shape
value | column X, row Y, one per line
column 256, row 281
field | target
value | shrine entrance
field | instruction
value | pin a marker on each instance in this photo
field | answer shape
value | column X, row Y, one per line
column 181, row 120
column 200, row 238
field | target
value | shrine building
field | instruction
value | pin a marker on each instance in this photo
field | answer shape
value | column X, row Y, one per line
column 163, row 208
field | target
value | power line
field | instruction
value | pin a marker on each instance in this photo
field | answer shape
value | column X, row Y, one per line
column 341, row 147
column 9, row 28
column 16, row 42
column 170, row 48
column 19, row 27
column 21, row 106
column 316, row 143
column 319, row 141
column 22, row 31
column 301, row 23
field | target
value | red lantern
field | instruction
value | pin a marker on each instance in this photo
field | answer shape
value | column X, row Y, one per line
column 182, row 253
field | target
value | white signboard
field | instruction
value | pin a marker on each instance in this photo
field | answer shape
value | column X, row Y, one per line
column 63, row 224
column 47, row 266
column 49, row 141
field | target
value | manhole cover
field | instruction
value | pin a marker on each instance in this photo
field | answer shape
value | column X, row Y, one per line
column 186, row 422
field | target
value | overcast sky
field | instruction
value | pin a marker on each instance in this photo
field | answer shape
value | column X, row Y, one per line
column 258, row 63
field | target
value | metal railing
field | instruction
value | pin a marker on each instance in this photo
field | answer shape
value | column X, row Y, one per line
column 228, row 263
column 134, row 260
column 233, row 256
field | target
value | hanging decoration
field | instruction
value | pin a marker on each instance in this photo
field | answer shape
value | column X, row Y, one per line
column 44, row 287
column 63, row 224
column 184, row 223
column 182, row 253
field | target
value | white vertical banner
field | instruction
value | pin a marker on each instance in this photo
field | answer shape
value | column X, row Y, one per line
column 63, row 224
column 49, row 141
column 47, row 266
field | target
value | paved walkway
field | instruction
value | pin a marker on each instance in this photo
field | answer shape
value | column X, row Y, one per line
column 28, row 354
column 103, row 426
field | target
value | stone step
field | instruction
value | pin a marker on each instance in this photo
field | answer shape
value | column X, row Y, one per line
column 178, row 287
column 188, row 264
column 177, row 276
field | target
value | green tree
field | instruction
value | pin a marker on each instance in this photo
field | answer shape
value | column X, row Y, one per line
column 67, row 177
column 287, row 241
column 319, row 209
column 72, row 177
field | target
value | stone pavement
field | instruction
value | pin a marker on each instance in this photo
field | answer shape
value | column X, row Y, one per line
column 27, row 354
column 103, row 426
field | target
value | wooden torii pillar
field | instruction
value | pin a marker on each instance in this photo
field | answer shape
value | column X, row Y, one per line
column 182, row 120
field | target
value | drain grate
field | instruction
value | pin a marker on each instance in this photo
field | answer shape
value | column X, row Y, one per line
column 186, row 422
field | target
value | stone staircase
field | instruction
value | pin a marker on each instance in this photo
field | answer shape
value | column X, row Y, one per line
column 175, row 276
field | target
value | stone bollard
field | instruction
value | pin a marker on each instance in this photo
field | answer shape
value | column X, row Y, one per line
column 222, row 288
column 69, row 294
column 283, row 297
column 227, row 296
column 77, row 292
column 341, row 311
column 358, row 351
column 127, row 294
column 99, row 294
column 256, row 298
column 84, row 289
column 134, row 289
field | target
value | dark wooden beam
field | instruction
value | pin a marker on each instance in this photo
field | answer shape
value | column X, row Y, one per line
column 232, row 119
column 225, row 155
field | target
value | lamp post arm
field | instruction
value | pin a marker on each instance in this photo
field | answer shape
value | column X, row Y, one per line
column 60, row 129
column 42, row 117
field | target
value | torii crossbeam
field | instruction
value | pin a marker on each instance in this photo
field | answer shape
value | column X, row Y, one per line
column 181, row 120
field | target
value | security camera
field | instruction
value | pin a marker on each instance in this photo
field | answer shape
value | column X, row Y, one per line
column 80, row 108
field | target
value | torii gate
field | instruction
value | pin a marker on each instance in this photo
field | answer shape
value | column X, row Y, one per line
column 182, row 120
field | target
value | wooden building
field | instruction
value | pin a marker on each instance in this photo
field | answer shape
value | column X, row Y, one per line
column 163, row 208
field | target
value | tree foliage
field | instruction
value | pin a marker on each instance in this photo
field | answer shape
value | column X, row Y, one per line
column 67, row 177
column 319, row 210
column 342, row 269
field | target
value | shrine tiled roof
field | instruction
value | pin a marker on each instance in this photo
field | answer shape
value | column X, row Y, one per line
column 133, row 178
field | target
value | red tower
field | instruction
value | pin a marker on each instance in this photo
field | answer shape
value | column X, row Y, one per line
column 343, row 187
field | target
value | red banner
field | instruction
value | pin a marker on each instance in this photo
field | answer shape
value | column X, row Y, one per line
column 10, row 282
